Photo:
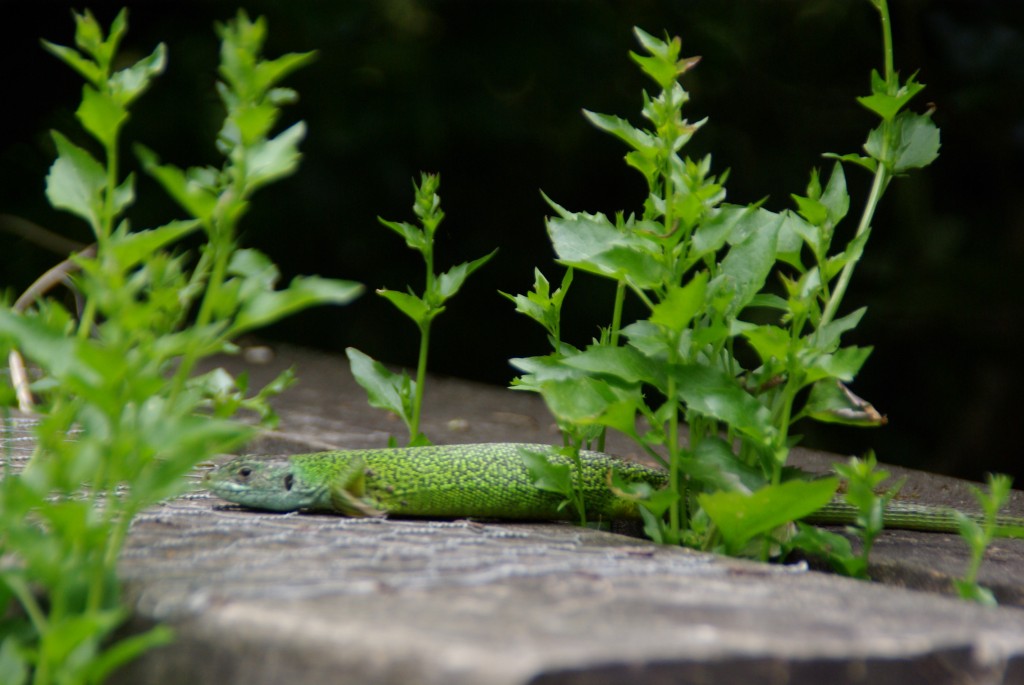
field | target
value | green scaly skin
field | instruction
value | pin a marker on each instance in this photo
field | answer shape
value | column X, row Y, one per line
column 476, row 481
column 487, row 481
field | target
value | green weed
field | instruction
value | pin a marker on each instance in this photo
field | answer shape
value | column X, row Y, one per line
column 979, row 535
column 396, row 392
column 121, row 373
column 742, row 333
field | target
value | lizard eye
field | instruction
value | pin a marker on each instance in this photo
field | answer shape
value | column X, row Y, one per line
column 289, row 481
column 245, row 472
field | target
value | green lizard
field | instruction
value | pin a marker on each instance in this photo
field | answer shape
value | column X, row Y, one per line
column 480, row 481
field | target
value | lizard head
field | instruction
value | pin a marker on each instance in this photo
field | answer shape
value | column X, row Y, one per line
column 270, row 484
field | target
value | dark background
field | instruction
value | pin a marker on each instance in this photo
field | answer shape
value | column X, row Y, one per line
column 489, row 95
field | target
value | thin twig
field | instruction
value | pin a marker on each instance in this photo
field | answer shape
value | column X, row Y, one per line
column 19, row 379
column 51, row 278
column 37, row 235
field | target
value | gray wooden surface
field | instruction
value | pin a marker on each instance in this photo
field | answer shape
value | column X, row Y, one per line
column 262, row 598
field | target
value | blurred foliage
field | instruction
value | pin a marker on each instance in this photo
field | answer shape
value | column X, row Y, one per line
column 489, row 94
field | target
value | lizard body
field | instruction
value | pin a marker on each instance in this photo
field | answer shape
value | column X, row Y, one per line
column 487, row 480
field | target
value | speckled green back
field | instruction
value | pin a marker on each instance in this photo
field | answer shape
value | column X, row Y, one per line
column 481, row 481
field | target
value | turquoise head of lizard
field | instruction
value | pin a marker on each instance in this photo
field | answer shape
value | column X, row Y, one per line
column 269, row 484
column 337, row 484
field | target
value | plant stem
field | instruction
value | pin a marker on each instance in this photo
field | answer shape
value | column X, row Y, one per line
column 676, row 511
column 421, row 378
column 108, row 197
column 620, row 296
column 883, row 11
column 878, row 186
column 882, row 173
column 220, row 264
column 424, row 326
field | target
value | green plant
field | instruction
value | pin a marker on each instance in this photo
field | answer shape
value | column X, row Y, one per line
column 545, row 308
column 120, row 375
column 396, row 392
column 862, row 478
column 740, row 359
column 978, row 536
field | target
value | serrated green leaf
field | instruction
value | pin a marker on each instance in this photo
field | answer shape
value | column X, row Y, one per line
column 769, row 301
column 302, row 293
column 636, row 138
column 124, row 194
column 118, row 29
column 129, row 83
column 748, row 264
column 384, row 389
column 770, row 342
column 449, row 282
column 414, row 236
column 86, row 67
column 811, row 209
column 866, row 162
column 645, row 161
column 591, row 243
column 88, row 34
column 793, row 232
column 835, row 198
column 681, row 304
column 830, row 546
column 663, row 65
column 274, row 158
column 885, row 105
column 193, row 197
column 717, row 228
column 586, row 401
column 716, row 467
column 624, row 363
column 662, row 71
column 253, row 121
column 101, row 115
column 741, row 517
column 915, row 142
column 656, row 501
column 843, row 364
column 666, row 50
column 540, row 304
column 132, row 248
column 76, row 181
column 876, row 148
column 412, row 306
column 754, row 220
column 919, row 141
column 649, row 339
column 272, row 71
column 827, row 337
column 253, row 264
column 854, row 249
column 542, row 369
column 530, row 307
column 546, row 474
column 715, row 394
